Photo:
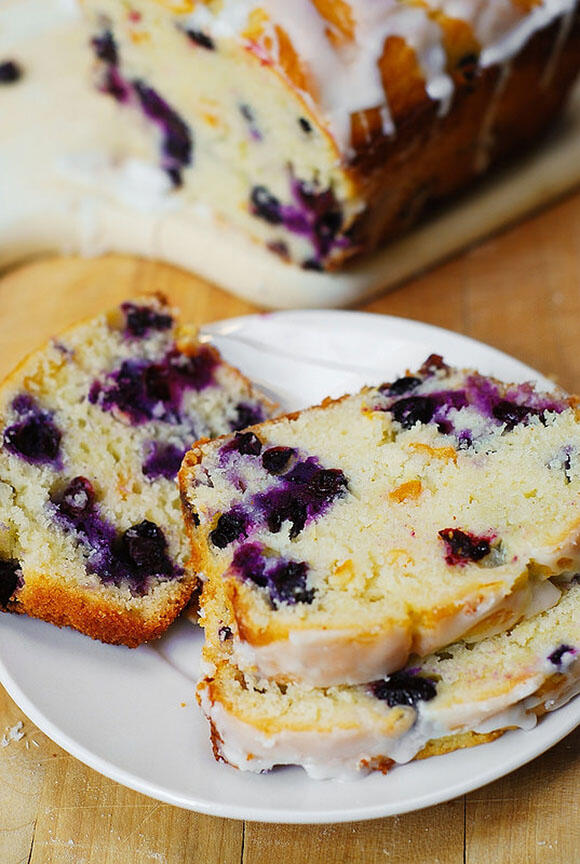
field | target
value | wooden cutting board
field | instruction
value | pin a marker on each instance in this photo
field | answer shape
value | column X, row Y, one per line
column 519, row 292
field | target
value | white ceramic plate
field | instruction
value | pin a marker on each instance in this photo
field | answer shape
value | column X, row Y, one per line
column 132, row 715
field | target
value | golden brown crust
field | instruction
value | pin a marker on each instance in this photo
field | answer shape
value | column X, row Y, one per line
column 95, row 615
column 432, row 157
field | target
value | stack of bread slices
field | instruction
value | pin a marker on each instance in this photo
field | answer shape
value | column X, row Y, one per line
column 390, row 575
column 387, row 576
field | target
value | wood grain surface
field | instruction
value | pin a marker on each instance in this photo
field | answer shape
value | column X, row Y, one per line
column 519, row 292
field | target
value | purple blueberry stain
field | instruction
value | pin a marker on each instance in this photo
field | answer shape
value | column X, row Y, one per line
column 314, row 213
column 503, row 410
column 132, row 557
column 35, row 436
column 463, row 547
column 140, row 321
column 404, row 688
column 142, row 390
column 557, row 656
column 284, row 581
column 10, row 579
column 176, row 138
column 177, row 145
column 303, row 488
column 304, row 493
column 163, row 459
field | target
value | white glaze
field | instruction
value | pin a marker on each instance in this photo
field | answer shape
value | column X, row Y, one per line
column 334, row 756
column 343, row 754
column 346, row 77
column 323, row 658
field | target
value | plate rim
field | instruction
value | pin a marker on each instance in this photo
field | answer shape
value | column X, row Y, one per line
column 566, row 719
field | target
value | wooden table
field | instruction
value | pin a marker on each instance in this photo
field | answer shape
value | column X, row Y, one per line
column 519, row 292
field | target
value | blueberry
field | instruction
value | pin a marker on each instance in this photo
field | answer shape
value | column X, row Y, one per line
column 10, row 72
column 401, row 386
column 247, row 444
column 312, row 264
column 105, row 48
column 328, row 483
column 412, row 410
column 115, row 85
column 265, row 205
column 224, row 634
column 78, row 498
column 305, row 124
column 512, row 414
column 247, row 113
column 229, row 527
column 328, row 225
column 145, row 547
column 175, row 176
column 556, row 656
column 402, row 688
column 177, row 142
column 201, row 39
column 247, row 414
column 294, row 512
column 288, row 584
column 10, row 579
column 276, row 460
column 140, row 320
column 156, row 382
column 35, row 439
column 463, row 546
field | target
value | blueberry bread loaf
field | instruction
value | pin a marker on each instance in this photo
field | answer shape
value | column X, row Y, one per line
column 343, row 538
column 324, row 129
column 460, row 697
column 93, row 428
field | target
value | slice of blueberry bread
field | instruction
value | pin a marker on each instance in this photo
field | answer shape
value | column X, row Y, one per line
column 346, row 537
column 93, row 428
column 466, row 695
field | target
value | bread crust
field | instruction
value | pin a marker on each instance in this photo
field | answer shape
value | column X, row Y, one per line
column 97, row 616
column 433, row 158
